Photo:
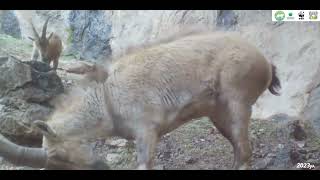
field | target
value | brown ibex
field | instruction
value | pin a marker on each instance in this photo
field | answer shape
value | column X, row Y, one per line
column 49, row 48
column 152, row 92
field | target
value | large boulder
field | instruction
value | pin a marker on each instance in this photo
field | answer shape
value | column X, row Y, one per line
column 16, row 116
column 26, row 89
column 31, row 81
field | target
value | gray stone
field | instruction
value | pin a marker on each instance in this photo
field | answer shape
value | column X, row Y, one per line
column 190, row 160
column 16, row 117
column 113, row 157
column 91, row 33
column 279, row 159
column 13, row 74
column 297, row 131
column 311, row 111
column 40, row 88
column 263, row 163
column 10, row 24
column 119, row 142
column 25, row 91
column 226, row 19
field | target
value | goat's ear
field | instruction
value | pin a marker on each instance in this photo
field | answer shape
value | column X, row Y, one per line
column 31, row 38
column 46, row 130
column 50, row 35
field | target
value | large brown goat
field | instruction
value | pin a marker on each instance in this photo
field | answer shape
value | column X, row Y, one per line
column 49, row 48
column 153, row 91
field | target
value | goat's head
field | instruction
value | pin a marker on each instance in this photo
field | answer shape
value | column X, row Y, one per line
column 56, row 153
column 41, row 42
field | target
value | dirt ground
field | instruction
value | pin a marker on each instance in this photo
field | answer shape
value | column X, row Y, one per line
column 199, row 146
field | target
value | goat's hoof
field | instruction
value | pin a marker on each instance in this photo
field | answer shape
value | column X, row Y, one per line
column 142, row 167
column 245, row 166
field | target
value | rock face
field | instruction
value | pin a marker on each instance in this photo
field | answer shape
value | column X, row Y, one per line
column 25, row 91
column 10, row 24
column 292, row 47
column 311, row 110
column 295, row 58
column 91, row 33
column 14, row 77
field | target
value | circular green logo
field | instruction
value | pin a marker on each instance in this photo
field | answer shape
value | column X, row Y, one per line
column 279, row 15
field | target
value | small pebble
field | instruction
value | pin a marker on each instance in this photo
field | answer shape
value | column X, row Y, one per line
column 271, row 155
column 300, row 144
column 280, row 146
column 190, row 160
column 113, row 157
column 119, row 142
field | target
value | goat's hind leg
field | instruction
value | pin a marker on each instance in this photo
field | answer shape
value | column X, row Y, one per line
column 232, row 120
column 146, row 146
column 147, row 137
column 55, row 64
column 35, row 54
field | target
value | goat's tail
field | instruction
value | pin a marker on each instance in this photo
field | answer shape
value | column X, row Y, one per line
column 275, row 84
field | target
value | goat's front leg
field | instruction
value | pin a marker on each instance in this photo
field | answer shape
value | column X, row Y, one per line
column 146, row 145
column 35, row 53
column 55, row 64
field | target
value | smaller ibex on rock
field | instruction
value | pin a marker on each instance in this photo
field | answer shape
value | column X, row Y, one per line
column 49, row 48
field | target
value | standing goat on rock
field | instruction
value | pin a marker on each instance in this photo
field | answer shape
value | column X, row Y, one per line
column 49, row 48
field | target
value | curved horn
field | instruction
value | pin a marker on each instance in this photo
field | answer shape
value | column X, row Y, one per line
column 22, row 156
column 35, row 33
column 44, row 29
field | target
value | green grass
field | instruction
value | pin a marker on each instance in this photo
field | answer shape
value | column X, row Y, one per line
column 70, row 32
column 16, row 47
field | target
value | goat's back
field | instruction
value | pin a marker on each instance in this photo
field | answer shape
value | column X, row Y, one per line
column 170, row 74
column 55, row 47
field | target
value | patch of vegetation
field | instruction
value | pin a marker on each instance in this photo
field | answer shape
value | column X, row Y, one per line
column 196, row 125
column 70, row 35
column 189, row 130
column 16, row 47
column 262, row 128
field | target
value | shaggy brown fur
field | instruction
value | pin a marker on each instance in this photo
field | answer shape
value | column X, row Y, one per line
column 154, row 90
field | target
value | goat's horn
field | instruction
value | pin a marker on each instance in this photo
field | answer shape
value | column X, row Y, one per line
column 35, row 33
column 22, row 156
column 44, row 29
